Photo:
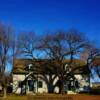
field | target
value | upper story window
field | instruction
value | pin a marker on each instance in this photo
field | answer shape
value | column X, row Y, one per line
column 30, row 66
column 67, row 69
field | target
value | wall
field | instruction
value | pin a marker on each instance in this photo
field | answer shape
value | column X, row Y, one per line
column 16, row 79
column 83, row 82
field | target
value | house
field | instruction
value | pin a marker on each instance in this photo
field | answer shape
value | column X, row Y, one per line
column 24, row 83
column 96, row 85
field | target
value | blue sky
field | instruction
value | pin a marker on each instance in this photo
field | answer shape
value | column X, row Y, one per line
column 49, row 15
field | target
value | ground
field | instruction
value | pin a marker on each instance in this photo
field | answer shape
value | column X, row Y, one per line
column 14, row 97
column 53, row 97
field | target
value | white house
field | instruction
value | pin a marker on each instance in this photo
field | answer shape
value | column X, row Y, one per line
column 24, row 83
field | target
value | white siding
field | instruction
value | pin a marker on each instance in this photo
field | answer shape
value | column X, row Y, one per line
column 16, row 79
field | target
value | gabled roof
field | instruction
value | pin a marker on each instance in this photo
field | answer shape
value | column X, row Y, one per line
column 21, row 64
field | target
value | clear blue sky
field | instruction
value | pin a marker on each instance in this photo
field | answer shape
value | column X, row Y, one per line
column 46, row 15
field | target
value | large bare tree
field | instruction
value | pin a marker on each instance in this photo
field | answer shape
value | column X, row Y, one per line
column 55, row 48
column 60, row 46
column 6, row 54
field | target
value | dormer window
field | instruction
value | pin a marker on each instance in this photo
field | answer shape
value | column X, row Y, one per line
column 30, row 66
column 66, row 66
column 67, row 69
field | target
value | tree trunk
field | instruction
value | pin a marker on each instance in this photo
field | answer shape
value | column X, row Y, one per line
column 61, row 86
column 50, row 88
column 4, row 92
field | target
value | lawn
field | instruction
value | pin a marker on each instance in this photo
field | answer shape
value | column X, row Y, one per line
column 53, row 97
column 14, row 97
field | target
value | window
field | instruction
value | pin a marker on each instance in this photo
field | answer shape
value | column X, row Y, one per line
column 67, row 68
column 20, row 84
column 30, row 82
column 40, row 84
column 30, row 66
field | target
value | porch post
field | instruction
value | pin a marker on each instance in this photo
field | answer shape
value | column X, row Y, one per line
column 37, row 83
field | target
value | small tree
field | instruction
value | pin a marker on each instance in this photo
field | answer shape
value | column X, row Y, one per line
column 92, row 56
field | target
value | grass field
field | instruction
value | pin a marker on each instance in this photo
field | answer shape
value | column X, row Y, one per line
column 14, row 97
column 53, row 97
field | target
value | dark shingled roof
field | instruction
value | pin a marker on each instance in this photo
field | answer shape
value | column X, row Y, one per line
column 21, row 64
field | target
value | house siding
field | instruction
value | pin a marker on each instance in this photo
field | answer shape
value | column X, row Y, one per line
column 83, row 83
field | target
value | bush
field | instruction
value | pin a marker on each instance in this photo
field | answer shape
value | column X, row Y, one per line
column 95, row 91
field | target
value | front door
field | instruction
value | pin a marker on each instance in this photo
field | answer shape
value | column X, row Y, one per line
column 31, row 85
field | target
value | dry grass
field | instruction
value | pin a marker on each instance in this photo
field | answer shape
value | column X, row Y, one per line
column 53, row 97
column 14, row 97
column 64, row 97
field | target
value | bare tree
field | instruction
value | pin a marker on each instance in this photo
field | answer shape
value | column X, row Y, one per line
column 6, row 42
column 27, row 49
column 92, row 56
column 55, row 49
column 60, row 46
column 26, row 45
